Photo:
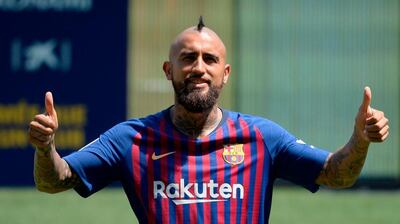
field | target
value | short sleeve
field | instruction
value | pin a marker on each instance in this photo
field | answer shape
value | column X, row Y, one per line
column 299, row 162
column 293, row 159
column 97, row 164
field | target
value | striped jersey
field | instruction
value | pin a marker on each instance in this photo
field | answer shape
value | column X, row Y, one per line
column 169, row 177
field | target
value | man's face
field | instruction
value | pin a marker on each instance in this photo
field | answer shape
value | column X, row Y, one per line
column 197, row 69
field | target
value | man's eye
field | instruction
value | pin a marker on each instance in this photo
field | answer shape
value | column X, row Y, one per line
column 210, row 60
column 188, row 58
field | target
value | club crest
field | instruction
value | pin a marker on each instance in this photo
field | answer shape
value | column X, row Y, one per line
column 233, row 154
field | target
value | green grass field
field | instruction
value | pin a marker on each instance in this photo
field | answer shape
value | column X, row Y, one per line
column 293, row 205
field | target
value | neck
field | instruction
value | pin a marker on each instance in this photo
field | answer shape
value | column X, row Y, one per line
column 195, row 125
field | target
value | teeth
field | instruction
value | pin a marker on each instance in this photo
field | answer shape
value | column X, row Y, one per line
column 198, row 81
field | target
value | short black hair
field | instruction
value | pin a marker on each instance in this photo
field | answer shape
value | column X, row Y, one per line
column 200, row 25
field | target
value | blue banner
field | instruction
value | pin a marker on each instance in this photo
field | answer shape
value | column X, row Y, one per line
column 77, row 50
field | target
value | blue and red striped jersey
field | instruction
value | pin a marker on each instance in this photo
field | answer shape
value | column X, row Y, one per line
column 226, row 177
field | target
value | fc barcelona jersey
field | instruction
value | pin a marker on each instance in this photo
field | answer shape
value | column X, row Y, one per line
column 169, row 177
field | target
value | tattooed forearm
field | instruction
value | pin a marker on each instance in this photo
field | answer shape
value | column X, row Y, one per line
column 52, row 174
column 344, row 166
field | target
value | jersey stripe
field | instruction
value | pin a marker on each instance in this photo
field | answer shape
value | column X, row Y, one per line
column 143, row 180
column 191, row 170
column 240, row 168
column 213, row 176
column 246, row 172
column 156, row 175
column 264, row 181
column 170, row 173
column 163, row 206
column 200, row 169
column 220, row 172
column 234, row 171
column 205, row 161
column 137, row 177
column 253, row 171
column 227, row 170
column 258, row 177
column 150, row 176
column 185, row 174
column 178, row 173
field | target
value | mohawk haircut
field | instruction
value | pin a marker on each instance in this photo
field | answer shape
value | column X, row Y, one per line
column 200, row 25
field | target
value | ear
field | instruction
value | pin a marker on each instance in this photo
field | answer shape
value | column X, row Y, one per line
column 167, row 67
column 227, row 72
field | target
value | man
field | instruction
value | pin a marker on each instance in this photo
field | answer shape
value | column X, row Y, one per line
column 195, row 162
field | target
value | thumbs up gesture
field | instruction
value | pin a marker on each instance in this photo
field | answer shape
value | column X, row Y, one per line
column 43, row 127
column 371, row 125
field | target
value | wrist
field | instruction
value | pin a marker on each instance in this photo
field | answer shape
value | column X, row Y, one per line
column 359, row 142
column 45, row 149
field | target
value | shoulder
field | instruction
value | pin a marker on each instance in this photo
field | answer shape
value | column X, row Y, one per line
column 273, row 135
column 264, row 125
column 122, row 135
column 137, row 125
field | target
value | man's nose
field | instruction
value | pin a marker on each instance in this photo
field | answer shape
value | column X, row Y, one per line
column 199, row 67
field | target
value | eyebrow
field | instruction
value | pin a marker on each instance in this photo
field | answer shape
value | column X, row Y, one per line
column 191, row 53
column 187, row 53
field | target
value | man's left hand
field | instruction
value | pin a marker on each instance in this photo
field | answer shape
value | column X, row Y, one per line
column 371, row 125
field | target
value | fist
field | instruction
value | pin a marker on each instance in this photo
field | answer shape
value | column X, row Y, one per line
column 44, row 126
column 371, row 124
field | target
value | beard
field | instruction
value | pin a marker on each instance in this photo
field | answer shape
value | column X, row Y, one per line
column 193, row 100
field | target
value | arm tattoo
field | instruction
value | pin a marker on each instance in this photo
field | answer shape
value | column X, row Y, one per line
column 344, row 166
column 53, row 174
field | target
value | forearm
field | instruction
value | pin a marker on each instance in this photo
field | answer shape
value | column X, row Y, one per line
column 51, row 173
column 343, row 167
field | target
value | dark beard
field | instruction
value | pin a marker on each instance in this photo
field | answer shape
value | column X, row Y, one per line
column 192, row 99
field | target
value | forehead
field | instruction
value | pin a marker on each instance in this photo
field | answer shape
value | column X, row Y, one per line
column 199, row 42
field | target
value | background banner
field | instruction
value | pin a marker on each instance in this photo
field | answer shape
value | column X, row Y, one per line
column 77, row 50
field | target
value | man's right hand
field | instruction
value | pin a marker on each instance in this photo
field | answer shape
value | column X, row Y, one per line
column 52, row 174
column 44, row 126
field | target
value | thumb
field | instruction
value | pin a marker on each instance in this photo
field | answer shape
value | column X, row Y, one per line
column 49, row 104
column 365, row 105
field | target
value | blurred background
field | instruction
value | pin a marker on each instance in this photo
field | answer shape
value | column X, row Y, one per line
column 300, row 63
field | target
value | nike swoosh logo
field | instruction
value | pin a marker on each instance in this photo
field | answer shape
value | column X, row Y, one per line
column 156, row 157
